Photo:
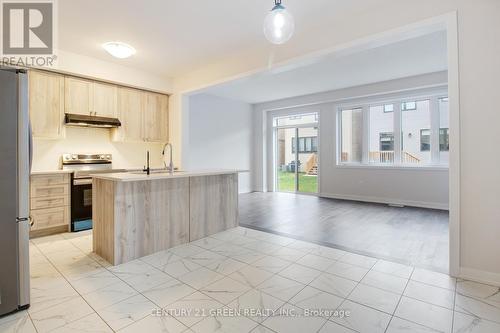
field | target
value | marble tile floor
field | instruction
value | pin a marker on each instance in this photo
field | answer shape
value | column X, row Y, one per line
column 243, row 280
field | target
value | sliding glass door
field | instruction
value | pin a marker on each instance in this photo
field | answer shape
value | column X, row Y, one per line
column 296, row 153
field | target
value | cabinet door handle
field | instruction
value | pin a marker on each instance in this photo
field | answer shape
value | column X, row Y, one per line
column 32, row 221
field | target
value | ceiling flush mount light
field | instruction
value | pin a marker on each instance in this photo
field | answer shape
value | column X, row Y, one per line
column 279, row 24
column 119, row 50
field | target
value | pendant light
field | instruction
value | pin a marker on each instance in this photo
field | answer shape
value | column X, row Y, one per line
column 279, row 24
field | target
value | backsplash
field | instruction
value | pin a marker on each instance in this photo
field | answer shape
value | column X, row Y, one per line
column 47, row 153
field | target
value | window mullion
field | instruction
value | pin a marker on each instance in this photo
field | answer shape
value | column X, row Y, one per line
column 365, row 159
column 398, row 145
column 435, row 124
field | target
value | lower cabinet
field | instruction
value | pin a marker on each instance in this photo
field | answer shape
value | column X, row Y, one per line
column 49, row 204
column 50, row 217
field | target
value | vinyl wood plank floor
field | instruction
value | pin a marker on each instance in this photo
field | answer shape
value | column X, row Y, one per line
column 413, row 236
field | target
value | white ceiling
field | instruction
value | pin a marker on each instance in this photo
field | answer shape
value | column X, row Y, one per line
column 424, row 54
column 173, row 37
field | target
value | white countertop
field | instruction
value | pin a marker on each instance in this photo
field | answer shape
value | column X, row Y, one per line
column 50, row 172
column 142, row 176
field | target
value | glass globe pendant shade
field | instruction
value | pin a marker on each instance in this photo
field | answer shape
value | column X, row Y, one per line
column 279, row 25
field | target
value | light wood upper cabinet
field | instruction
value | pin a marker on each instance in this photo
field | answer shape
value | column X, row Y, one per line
column 46, row 104
column 78, row 96
column 156, row 118
column 105, row 100
column 131, row 103
column 143, row 114
column 90, row 98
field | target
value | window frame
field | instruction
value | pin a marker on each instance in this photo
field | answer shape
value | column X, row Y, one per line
column 397, row 99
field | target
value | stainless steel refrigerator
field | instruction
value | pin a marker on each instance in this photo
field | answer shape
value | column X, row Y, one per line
column 15, row 165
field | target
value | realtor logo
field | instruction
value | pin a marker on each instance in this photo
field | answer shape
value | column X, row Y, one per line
column 27, row 28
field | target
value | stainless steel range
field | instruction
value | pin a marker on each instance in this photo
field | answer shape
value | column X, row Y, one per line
column 83, row 165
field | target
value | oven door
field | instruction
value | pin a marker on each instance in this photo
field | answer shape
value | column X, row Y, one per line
column 81, row 204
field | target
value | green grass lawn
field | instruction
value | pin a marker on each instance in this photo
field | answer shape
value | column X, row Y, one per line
column 286, row 182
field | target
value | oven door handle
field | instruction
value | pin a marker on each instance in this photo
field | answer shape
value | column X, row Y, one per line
column 77, row 182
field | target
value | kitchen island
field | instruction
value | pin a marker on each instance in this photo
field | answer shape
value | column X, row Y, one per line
column 136, row 214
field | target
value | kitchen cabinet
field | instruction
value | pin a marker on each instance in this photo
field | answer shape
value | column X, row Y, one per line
column 156, row 118
column 49, row 204
column 138, row 215
column 78, row 96
column 46, row 104
column 90, row 98
column 144, row 116
column 131, row 114
column 105, row 101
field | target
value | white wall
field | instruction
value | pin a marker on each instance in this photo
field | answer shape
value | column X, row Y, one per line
column 220, row 136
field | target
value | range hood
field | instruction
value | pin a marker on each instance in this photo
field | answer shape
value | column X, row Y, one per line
column 71, row 119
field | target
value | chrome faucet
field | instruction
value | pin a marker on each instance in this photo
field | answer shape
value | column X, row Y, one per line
column 170, row 166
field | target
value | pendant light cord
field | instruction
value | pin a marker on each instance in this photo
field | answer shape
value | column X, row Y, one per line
column 277, row 2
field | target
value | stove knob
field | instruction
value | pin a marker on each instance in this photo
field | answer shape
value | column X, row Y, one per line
column 74, row 157
column 102, row 157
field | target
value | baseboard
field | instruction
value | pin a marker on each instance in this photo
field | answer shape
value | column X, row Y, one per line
column 421, row 204
column 480, row 276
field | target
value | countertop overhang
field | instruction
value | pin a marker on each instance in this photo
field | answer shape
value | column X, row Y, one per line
column 136, row 176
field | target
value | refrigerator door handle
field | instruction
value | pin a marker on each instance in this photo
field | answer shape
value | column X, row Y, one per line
column 30, row 144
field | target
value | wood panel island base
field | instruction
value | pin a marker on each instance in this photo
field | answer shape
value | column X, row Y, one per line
column 135, row 215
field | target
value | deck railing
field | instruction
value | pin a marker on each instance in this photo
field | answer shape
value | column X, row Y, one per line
column 385, row 157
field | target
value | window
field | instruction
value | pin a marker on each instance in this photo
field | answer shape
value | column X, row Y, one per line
column 388, row 108
column 296, row 119
column 382, row 140
column 408, row 106
column 444, row 132
column 425, row 140
column 351, row 130
column 307, row 145
column 387, row 142
column 381, row 134
column 444, row 139
column 416, row 145
column 315, row 144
